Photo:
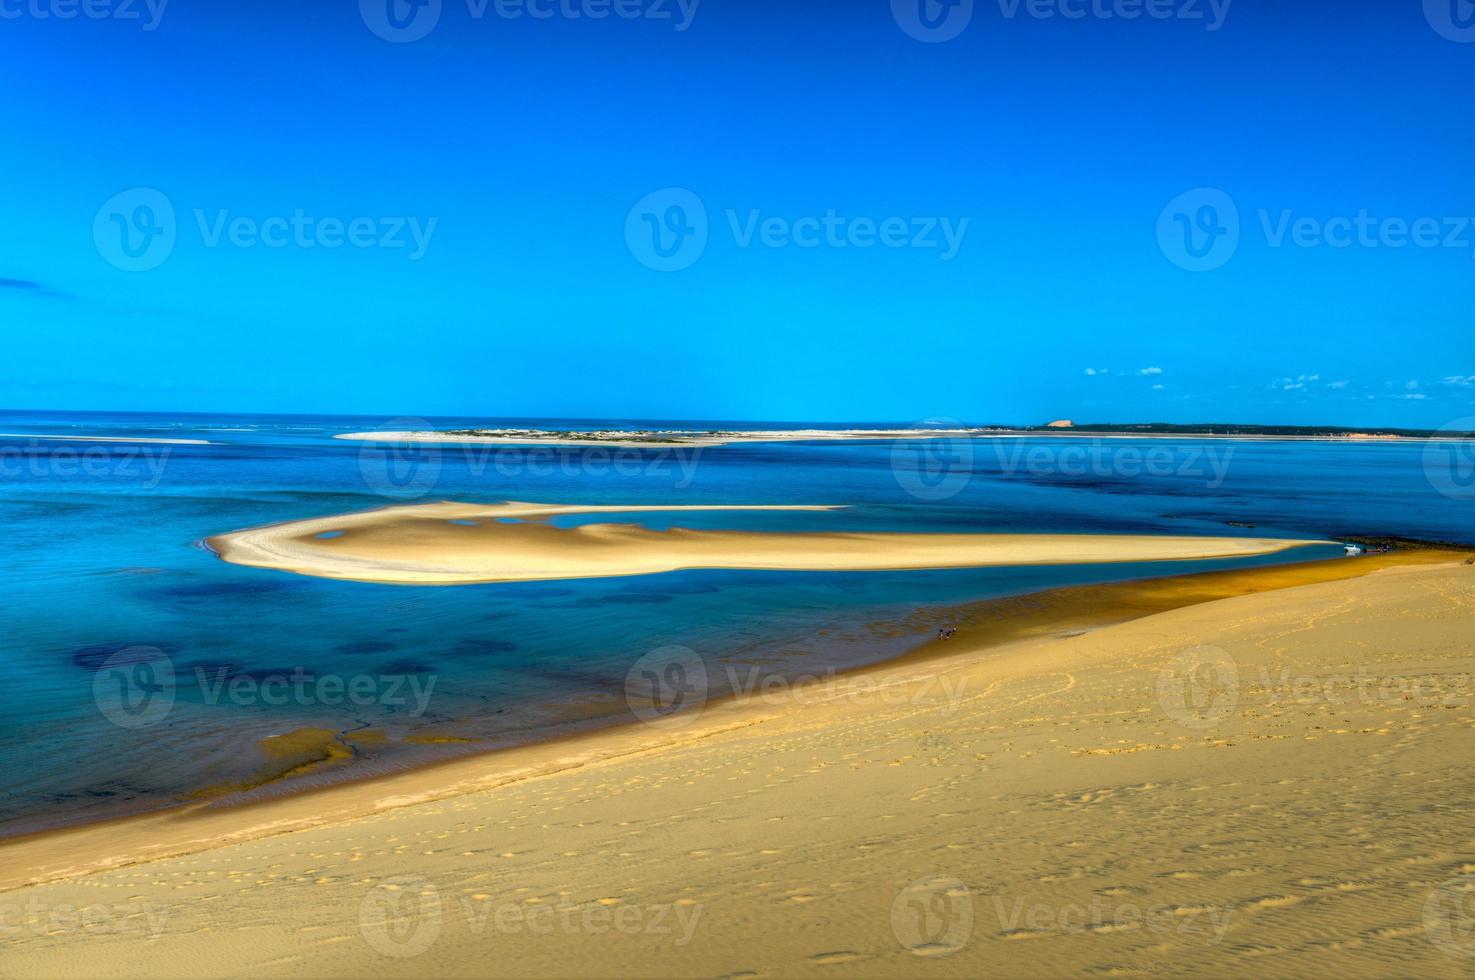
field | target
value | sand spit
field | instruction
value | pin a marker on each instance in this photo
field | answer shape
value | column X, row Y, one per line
column 453, row 543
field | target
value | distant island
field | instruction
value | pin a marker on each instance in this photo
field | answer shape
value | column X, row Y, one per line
column 1243, row 429
column 667, row 438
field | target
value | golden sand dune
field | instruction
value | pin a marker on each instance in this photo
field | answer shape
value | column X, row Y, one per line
column 1263, row 785
column 450, row 543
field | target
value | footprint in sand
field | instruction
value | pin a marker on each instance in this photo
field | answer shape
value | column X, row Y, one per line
column 836, row 956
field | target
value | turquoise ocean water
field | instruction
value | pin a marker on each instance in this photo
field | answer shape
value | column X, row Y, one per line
column 141, row 667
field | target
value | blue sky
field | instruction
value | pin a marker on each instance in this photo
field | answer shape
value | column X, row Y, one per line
column 518, row 146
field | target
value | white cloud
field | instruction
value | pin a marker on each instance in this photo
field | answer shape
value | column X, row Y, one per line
column 1148, row 372
column 1411, row 385
column 1093, row 372
column 1295, row 384
column 1157, row 387
column 1418, row 398
column 1338, row 385
column 1460, row 381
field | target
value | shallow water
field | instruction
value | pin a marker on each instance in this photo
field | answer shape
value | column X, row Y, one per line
column 110, row 602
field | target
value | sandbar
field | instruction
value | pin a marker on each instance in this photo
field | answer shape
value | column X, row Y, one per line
column 450, row 543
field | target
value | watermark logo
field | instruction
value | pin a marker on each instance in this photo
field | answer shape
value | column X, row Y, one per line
column 1199, row 229
column 1449, row 460
column 933, row 916
column 667, row 229
column 933, row 467
column 401, row 917
column 400, row 21
column 400, row 467
column 1199, row 687
column 134, row 688
column 135, row 230
column 1449, row 916
column 1453, row 20
column 932, row 21
column 667, row 687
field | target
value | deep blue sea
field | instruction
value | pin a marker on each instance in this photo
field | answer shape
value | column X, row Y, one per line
column 106, row 572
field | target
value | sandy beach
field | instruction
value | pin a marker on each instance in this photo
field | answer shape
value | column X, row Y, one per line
column 450, row 543
column 1261, row 782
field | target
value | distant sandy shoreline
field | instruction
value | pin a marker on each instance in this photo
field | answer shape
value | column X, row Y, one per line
column 126, row 439
column 454, row 544
column 677, row 438
column 650, row 439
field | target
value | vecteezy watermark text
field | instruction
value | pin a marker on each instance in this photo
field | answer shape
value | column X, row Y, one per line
column 148, row 13
column 1101, row 458
column 934, row 21
column 1099, row 914
column 37, row 458
column 405, row 21
column 41, row 918
column 300, row 687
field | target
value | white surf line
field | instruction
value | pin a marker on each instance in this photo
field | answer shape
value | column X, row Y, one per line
column 167, row 442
